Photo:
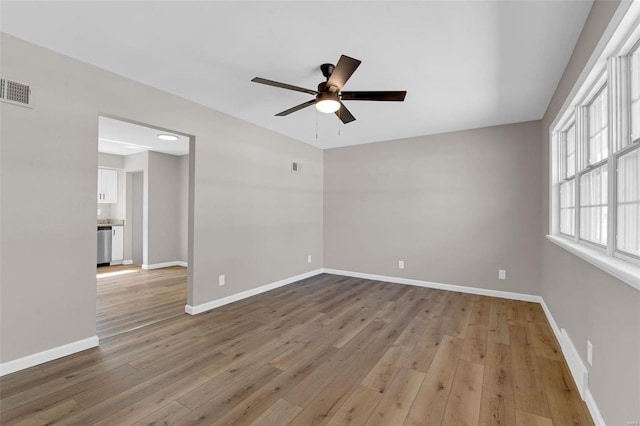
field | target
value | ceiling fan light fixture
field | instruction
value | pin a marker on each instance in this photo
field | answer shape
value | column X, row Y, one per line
column 327, row 102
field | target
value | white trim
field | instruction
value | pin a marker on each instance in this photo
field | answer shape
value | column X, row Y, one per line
column 165, row 265
column 197, row 309
column 552, row 321
column 624, row 271
column 48, row 355
column 576, row 366
column 429, row 284
column 127, row 262
column 593, row 409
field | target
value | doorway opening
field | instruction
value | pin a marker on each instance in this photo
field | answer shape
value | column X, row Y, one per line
column 145, row 178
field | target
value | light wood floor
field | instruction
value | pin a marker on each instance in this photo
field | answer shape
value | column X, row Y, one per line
column 327, row 350
column 129, row 297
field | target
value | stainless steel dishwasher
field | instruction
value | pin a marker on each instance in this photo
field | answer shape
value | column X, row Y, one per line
column 104, row 245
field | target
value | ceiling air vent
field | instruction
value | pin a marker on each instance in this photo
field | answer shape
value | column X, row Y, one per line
column 15, row 93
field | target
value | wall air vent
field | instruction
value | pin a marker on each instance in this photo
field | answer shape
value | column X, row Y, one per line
column 15, row 93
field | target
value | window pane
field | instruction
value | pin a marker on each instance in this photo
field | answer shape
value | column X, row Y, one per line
column 635, row 94
column 571, row 151
column 568, row 152
column 567, row 207
column 598, row 123
column 628, row 231
column 593, row 206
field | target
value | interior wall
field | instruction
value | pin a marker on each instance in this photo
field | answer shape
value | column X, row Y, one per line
column 164, row 208
column 137, row 218
column 589, row 303
column 183, row 208
column 455, row 207
column 253, row 220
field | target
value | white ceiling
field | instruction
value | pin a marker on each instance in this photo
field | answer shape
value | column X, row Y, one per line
column 123, row 138
column 465, row 64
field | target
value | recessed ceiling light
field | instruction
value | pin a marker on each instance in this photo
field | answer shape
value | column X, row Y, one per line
column 166, row 137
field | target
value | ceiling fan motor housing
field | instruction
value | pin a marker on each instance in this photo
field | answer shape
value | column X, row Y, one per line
column 327, row 70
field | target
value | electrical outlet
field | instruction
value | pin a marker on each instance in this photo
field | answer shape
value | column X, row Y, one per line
column 502, row 274
column 220, row 280
column 400, row 264
column 589, row 352
column 309, row 259
column 99, row 211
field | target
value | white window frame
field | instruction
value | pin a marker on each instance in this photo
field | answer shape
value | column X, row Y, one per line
column 620, row 39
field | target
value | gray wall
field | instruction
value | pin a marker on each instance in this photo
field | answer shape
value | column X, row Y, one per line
column 164, row 208
column 253, row 220
column 183, row 206
column 587, row 302
column 456, row 207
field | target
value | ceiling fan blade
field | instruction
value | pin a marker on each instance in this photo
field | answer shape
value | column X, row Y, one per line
column 397, row 96
column 283, row 85
column 343, row 70
column 296, row 108
column 344, row 114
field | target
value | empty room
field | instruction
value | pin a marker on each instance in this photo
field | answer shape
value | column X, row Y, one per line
column 320, row 212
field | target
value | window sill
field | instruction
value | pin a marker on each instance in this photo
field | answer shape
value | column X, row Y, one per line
column 624, row 271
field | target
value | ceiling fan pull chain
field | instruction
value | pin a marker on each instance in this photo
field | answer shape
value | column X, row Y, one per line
column 316, row 125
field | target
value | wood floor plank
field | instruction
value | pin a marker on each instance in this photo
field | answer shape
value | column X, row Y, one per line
column 384, row 371
column 544, row 342
column 397, row 400
column 357, row 408
column 527, row 419
column 528, row 388
column 280, row 413
column 431, row 400
column 326, row 350
column 498, row 322
column 52, row 414
column 422, row 354
column 498, row 401
column 167, row 415
column 565, row 406
column 260, row 401
column 463, row 404
column 474, row 350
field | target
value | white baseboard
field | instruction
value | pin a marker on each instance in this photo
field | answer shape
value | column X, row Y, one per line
column 440, row 286
column 576, row 366
column 593, row 409
column 127, row 262
column 197, row 309
column 165, row 265
column 48, row 355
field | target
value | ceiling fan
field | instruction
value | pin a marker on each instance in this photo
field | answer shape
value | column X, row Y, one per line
column 329, row 96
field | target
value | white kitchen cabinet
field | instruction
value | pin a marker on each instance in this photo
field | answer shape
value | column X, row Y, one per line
column 117, row 244
column 107, row 186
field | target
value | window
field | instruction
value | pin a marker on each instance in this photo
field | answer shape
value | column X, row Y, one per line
column 567, row 207
column 595, row 176
column 634, row 68
column 569, row 152
column 567, row 187
column 593, row 206
column 628, row 224
column 598, row 147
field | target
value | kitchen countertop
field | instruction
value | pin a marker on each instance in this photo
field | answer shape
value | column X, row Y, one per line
column 110, row 222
